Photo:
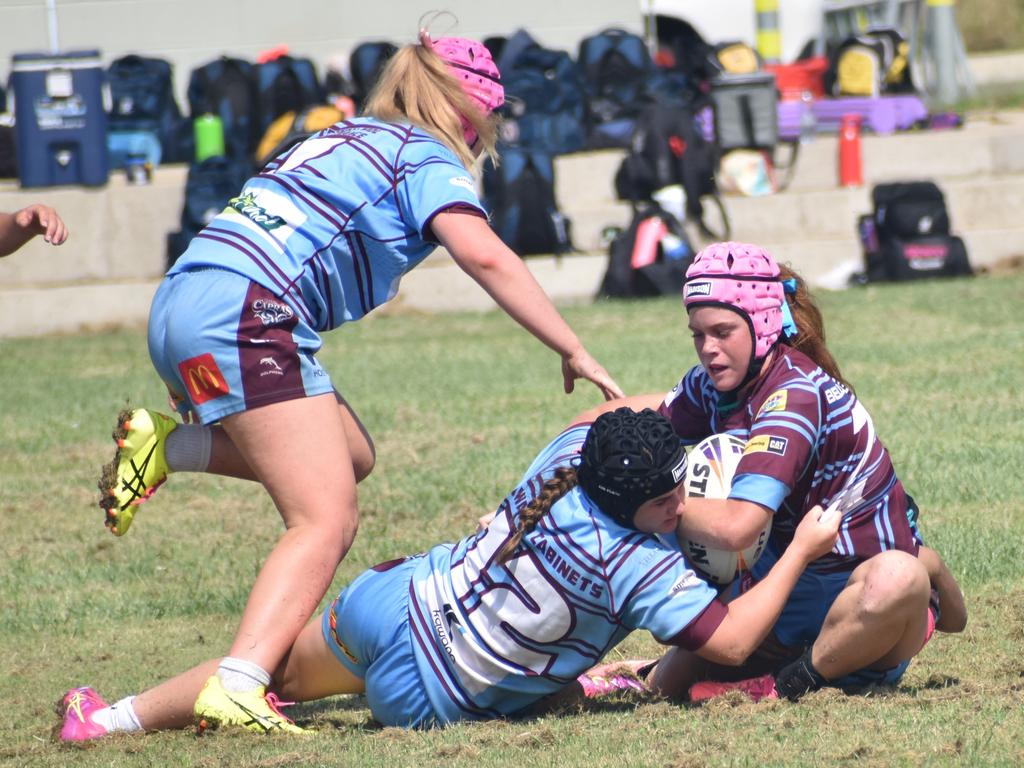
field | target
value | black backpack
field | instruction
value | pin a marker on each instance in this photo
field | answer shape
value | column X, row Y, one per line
column 208, row 188
column 907, row 236
column 142, row 99
column 649, row 257
column 910, row 209
column 520, row 194
column 682, row 49
column 226, row 88
column 285, row 84
column 669, row 148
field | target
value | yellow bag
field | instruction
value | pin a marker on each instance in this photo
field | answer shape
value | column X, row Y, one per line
column 858, row 72
column 736, row 58
column 290, row 127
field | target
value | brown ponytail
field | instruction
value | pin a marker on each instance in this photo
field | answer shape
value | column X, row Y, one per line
column 810, row 337
column 564, row 481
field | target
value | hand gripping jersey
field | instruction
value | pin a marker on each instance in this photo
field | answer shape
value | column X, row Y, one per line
column 491, row 639
column 809, row 441
column 333, row 225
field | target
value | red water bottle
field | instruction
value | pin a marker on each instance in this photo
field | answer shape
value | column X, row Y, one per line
column 851, row 172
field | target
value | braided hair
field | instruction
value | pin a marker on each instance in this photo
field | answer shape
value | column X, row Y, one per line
column 565, row 480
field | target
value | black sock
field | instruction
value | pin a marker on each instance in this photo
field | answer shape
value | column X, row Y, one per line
column 799, row 677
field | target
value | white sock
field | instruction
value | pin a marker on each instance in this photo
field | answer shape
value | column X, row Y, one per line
column 240, row 675
column 119, row 716
column 187, row 448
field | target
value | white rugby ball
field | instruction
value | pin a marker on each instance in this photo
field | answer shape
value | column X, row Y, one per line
column 710, row 468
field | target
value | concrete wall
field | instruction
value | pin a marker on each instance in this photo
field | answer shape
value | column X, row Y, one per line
column 192, row 32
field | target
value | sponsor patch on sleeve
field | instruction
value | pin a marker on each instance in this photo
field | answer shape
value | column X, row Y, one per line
column 462, row 181
column 776, row 402
column 767, row 444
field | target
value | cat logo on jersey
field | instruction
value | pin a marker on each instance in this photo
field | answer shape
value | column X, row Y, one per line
column 766, row 444
column 247, row 206
column 775, row 402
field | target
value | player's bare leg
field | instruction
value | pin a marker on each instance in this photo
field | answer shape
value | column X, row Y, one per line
column 878, row 621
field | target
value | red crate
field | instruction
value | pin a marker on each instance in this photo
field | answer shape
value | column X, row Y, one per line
column 794, row 79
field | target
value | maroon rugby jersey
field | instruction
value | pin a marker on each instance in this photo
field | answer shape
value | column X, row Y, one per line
column 809, row 441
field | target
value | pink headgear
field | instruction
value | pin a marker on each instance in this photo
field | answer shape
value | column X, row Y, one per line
column 471, row 64
column 744, row 278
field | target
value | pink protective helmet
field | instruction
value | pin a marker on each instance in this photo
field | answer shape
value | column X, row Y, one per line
column 742, row 277
column 471, row 64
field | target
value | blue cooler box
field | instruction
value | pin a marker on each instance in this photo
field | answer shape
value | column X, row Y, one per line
column 60, row 123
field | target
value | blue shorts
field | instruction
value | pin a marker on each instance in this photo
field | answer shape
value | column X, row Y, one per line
column 367, row 629
column 224, row 344
column 804, row 614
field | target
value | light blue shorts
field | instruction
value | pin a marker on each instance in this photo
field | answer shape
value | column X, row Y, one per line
column 367, row 629
column 804, row 614
column 224, row 344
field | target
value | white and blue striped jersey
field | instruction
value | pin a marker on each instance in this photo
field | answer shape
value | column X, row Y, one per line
column 491, row 639
column 332, row 225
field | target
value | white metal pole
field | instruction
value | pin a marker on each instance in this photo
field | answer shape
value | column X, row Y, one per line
column 51, row 19
column 943, row 31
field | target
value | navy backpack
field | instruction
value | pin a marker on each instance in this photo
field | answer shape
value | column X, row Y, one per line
column 615, row 67
column 365, row 65
column 543, row 101
column 285, row 84
column 142, row 99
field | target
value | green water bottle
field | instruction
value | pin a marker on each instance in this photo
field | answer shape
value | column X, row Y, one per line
column 208, row 131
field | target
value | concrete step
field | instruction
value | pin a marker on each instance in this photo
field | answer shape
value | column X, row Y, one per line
column 106, row 274
column 980, row 168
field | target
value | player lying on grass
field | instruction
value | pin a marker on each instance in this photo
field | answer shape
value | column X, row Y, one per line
column 484, row 628
column 859, row 612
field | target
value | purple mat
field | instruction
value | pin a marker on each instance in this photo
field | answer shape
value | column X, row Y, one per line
column 882, row 114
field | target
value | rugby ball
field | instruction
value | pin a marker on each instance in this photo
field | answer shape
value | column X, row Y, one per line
column 710, row 468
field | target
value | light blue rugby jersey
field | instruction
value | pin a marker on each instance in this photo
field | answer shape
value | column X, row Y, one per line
column 334, row 224
column 492, row 639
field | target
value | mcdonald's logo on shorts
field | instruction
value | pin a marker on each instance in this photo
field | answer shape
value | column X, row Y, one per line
column 203, row 378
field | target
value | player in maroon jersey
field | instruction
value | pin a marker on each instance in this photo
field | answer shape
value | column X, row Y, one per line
column 861, row 612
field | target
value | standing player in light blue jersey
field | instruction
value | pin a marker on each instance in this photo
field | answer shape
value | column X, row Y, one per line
column 320, row 237
column 572, row 562
column 861, row 611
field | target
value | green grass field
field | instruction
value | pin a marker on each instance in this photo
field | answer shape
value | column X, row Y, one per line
column 458, row 405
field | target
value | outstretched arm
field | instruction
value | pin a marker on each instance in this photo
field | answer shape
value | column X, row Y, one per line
column 19, row 227
column 481, row 254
